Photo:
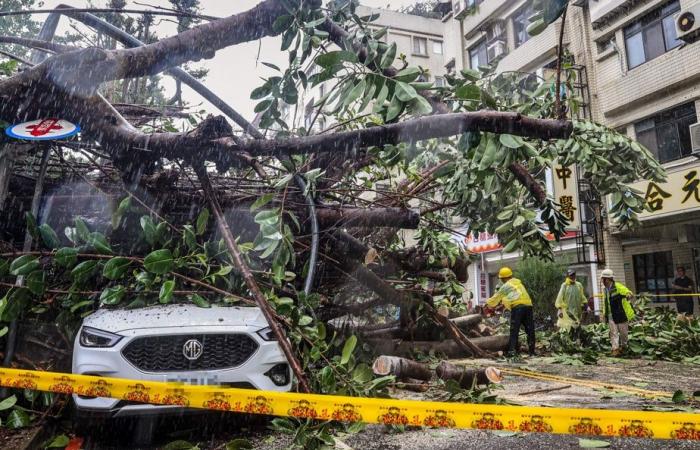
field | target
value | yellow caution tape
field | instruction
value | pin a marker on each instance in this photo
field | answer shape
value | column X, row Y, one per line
column 594, row 422
column 657, row 295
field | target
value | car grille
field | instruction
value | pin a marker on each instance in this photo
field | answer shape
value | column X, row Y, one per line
column 165, row 353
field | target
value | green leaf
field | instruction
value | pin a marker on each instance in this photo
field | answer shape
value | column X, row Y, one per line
column 60, row 441
column 159, row 262
column 268, row 217
column 112, row 295
column 408, row 74
column 330, row 59
column 348, row 348
column 66, row 257
column 24, row 265
column 149, row 230
column 593, row 443
column 8, row 403
column 99, row 242
column 49, row 236
column 122, row 209
column 31, row 225
column 36, row 282
column 471, row 74
column 355, row 92
column 116, row 267
column 202, row 221
column 81, row 230
column 282, row 23
column 395, row 108
column 405, row 92
column 200, row 301
column 470, row 92
column 262, row 201
column 4, row 267
column 261, row 92
column 362, row 373
column 388, row 57
column 421, row 106
column 180, row 445
column 17, row 419
column 510, row 246
column 510, row 141
column 79, row 305
column 239, row 444
column 166, row 291
column 678, row 397
column 83, row 271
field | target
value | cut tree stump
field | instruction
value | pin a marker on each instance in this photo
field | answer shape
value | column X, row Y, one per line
column 401, row 368
column 468, row 377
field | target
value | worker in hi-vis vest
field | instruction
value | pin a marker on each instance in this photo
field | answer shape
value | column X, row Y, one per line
column 617, row 311
column 513, row 296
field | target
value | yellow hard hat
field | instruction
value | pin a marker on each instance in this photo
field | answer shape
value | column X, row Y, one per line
column 505, row 272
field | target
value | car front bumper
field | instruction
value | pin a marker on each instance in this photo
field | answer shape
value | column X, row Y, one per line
column 109, row 362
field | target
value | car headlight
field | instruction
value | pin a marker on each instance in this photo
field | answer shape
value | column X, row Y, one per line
column 92, row 337
column 267, row 334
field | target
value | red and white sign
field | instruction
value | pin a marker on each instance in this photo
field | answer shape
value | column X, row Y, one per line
column 487, row 242
column 43, row 129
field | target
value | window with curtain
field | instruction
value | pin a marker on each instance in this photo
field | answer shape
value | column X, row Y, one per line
column 420, row 46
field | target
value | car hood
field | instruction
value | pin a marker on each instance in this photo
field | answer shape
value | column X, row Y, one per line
column 163, row 316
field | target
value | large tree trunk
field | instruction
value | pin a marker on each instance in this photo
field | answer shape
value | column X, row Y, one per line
column 468, row 377
column 448, row 347
column 466, row 323
column 401, row 368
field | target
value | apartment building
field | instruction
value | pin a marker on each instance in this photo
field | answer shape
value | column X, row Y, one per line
column 648, row 86
column 641, row 80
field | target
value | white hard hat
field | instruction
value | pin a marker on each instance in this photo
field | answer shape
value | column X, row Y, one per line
column 607, row 273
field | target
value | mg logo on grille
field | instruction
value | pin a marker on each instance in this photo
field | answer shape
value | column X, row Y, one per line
column 192, row 349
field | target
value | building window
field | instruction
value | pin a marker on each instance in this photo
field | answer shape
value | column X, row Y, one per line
column 653, row 272
column 521, row 20
column 420, row 46
column 667, row 135
column 652, row 35
column 439, row 82
column 437, row 47
column 478, row 55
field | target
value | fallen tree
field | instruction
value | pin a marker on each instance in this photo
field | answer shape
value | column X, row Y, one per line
column 311, row 243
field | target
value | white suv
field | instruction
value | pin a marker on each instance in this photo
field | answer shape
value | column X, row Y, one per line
column 227, row 346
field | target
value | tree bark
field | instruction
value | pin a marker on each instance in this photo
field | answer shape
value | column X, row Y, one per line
column 468, row 377
column 466, row 323
column 448, row 348
column 368, row 217
column 401, row 368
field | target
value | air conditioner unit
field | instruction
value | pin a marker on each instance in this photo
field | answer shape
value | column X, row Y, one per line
column 695, row 137
column 496, row 49
column 688, row 24
column 460, row 8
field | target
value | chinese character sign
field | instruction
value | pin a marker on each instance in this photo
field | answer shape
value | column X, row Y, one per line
column 679, row 193
column 566, row 194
